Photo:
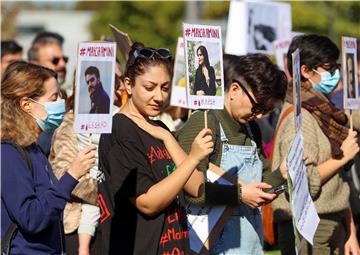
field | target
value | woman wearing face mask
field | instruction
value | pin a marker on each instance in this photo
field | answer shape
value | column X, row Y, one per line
column 205, row 83
column 329, row 145
column 32, row 199
column 145, row 169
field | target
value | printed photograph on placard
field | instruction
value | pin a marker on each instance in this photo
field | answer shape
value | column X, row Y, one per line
column 254, row 26
column 95, row 79
column 349, row 70
column 204, row 68
column 204, row 72
column 350, row 75
column 178, row 90
column 95, row 87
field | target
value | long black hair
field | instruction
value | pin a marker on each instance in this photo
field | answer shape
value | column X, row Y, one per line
column 203, row 50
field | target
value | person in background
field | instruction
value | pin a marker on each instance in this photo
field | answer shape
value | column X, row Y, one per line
column 11, row 51
column 32, row 198
column 46, row 50
column 329, row 144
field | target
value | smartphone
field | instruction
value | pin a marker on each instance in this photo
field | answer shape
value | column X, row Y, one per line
column 279, row 189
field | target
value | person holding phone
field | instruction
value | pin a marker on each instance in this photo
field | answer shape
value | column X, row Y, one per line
column 254, row 87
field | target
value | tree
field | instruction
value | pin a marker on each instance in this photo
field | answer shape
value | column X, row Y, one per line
column 157, row 24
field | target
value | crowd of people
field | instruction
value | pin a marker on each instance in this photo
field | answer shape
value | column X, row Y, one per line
column 126, row 192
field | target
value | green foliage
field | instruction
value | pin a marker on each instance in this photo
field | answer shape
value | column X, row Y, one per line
column 333, row 19
column 191, row 60
column 156, row 24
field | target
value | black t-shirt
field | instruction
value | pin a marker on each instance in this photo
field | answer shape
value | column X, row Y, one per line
column 133, row 161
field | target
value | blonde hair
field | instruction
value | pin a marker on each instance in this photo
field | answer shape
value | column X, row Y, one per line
column 20, row 80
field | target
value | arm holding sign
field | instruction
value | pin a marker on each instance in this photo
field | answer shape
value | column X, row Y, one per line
column 250, row 194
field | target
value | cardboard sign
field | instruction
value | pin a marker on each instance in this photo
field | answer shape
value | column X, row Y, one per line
column 349, row 69
column 254, row 26
column 123, row 41
column 206, row 223
column 95, row 78
column 204, row 66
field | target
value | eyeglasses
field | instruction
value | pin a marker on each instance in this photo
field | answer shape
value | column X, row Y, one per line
column 256, row 107
column 90, row 80
column 149, row 53
column 330, row 67
column 56, row 60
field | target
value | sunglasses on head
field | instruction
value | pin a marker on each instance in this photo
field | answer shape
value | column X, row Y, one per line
column 256, row 107
column 148, row 53
column 56, row 60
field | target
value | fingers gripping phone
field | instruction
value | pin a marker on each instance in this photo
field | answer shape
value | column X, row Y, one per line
column 279, row 189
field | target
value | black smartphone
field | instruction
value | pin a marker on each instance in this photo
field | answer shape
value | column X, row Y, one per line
column 279, row 189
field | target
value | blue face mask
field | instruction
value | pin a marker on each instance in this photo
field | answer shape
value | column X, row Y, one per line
column 328, row 83
column 55, row 115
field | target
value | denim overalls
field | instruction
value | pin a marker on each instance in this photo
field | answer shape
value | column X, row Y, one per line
column 242, row 234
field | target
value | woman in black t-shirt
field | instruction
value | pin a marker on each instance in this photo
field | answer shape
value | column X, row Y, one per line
column 145, row 169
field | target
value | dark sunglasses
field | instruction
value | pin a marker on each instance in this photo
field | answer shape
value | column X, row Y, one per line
column 256, row 107
column 56, row 60
column 149, row 53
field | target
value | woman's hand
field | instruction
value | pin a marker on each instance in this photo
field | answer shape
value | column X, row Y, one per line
column 83, row 162
column 253, row 196
column 154, row 130
column 350, row 146
column 202, row 145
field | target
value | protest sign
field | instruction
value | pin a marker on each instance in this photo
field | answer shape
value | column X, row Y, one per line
column 297, row 88
column 123, row 42
column 204, row 67
column 305, row 217
column 254, row 26
column 205, row 223
column 95, row 77
column 178, row 90
column 349, row 69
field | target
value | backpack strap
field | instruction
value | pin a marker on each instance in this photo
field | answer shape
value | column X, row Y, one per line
column 13, row 228
column 286, row 113
column 24, row 154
